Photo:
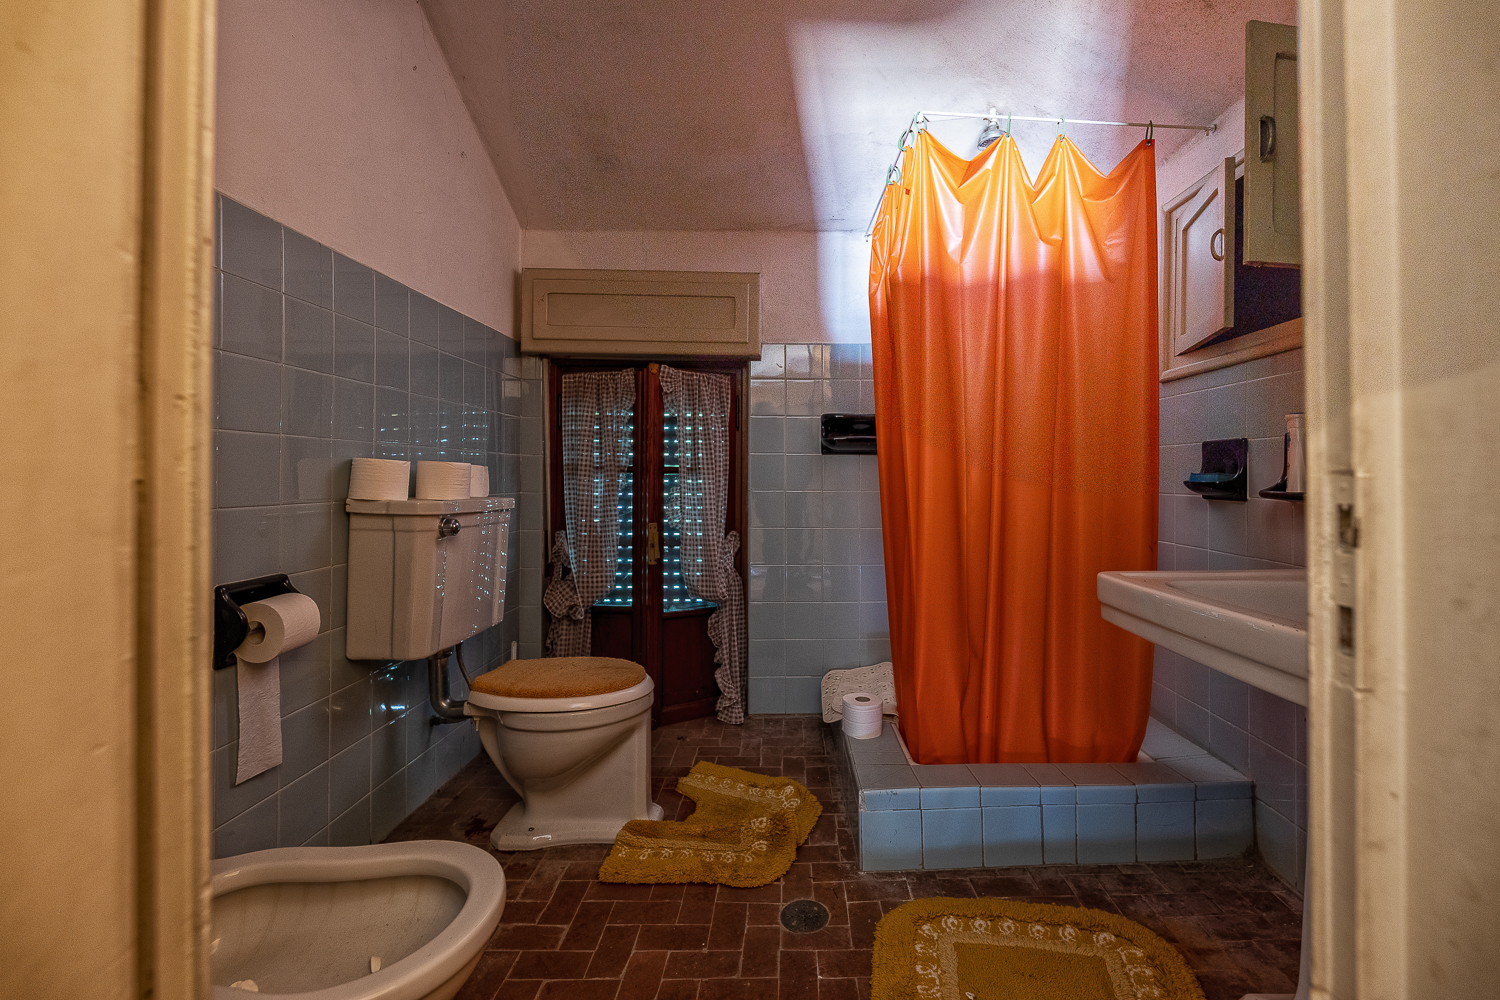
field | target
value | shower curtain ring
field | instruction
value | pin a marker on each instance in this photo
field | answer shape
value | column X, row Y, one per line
column 1149, row 127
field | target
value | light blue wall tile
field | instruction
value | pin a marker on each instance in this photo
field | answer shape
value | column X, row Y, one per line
column 804, row 435
column 391, row 308
column 353, row 411
column 246, row 469
column 1223, row 828
column 246, row 394
column 387, row 806
column 304, row 806
column 1164, row 831
column 250, row 319
column 1012, row 835
column 309, row 336
column 803, row 694
column 252, row 830
column 229, row 799
column 1059, row 834
column 306, row 403
column 353, row 289
column 308, row 269
column 767, row 435
column 247, row 542
column 353, row 349
column 1106, row 834
column 1281, row 844
column 352, row 827
column 349, row 777
column 392, row 360
column 249, row 244
column 952, row 838
column 767, row 694
column 772, row 363
column 890, row 840
column 767, row 473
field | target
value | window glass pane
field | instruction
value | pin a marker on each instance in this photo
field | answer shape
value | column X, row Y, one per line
column 675, row 596
column 623, row 594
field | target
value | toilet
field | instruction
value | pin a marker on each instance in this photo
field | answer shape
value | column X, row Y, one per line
column 572, row 736
column 405, row 921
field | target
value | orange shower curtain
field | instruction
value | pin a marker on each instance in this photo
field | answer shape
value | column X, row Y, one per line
column 1014, row 331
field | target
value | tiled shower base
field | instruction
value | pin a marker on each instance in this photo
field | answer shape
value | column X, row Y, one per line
column 1176, row 803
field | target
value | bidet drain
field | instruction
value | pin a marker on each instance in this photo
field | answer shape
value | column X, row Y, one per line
column 803, row 916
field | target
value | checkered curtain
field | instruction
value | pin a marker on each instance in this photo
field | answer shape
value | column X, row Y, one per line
column 596, row 411
column 697, row 509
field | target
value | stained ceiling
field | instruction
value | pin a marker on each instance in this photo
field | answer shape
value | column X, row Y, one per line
column 782, row 115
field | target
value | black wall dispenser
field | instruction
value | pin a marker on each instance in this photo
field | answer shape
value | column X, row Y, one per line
column 1224, row 473
column 230, row 624
column 848, row 433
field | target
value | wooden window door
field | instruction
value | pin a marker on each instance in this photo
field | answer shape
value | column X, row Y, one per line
column 649, row 616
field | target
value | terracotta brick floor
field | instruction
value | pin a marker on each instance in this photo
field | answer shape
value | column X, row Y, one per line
column 565, row 934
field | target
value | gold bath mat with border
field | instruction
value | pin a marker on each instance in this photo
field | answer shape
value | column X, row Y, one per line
column 744, row 832
column 952, row 949
column 729, row 794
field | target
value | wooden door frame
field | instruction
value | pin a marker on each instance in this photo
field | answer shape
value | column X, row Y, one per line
column 109, row 154
column 646, row 635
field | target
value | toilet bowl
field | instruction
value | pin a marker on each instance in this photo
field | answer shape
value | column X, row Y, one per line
column 572, row 736
column 308, row 922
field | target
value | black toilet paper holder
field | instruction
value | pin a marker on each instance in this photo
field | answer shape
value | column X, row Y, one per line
column 230, row 624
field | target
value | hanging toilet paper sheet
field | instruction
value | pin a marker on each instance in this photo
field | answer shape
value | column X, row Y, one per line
column 277, row 624
column 379, row 479
column 444, row 480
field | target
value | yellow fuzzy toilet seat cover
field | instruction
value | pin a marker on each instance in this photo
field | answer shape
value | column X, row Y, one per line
column 560, row 677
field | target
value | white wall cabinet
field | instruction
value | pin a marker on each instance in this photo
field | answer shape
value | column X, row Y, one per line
column 1217, row 310
column 1273, row 230
column 1198, row 262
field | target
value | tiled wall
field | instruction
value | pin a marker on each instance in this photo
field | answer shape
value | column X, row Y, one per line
column 317, row 360
column 1261, row 735
column 817, row 570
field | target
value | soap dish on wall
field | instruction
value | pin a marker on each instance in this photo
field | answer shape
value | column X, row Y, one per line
column 1278, row 490
column 1224, row 472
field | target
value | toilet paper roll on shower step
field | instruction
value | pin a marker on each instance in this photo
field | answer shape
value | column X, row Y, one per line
column 862, row 715
column 277, row 624
column 443, row 480
column 479, row 480
column 379, row 479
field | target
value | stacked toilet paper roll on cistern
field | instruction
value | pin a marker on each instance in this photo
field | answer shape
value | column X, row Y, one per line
column 390, row 479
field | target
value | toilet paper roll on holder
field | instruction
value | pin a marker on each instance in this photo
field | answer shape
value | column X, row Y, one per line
column 231, row 626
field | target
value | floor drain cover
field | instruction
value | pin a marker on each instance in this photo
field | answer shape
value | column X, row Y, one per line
column 804, row 916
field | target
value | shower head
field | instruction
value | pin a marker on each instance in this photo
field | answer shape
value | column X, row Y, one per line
column 991, row 130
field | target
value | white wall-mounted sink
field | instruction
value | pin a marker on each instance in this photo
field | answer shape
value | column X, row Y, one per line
column 1249, row 624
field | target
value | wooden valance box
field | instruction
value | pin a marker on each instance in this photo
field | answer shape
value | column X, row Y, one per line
column 600, row 313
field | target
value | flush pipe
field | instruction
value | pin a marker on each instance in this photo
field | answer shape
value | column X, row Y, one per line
column 445, row 708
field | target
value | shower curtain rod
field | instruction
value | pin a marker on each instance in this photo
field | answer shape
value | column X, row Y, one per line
column 921, row 117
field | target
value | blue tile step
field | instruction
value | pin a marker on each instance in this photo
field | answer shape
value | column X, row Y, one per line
column 1176, row 803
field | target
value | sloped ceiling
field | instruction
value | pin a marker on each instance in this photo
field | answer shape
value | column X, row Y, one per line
column 783, row 115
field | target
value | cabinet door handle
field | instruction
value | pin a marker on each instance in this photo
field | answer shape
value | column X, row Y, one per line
column 1219, row 253
column 653, row 545
column 1267, row 138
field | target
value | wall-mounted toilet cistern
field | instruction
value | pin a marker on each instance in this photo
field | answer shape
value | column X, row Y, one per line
column 425, row 575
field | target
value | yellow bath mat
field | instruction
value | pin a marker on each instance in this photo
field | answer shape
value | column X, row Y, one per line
column 729, row 795
column 992, row 948
column 744, row 832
